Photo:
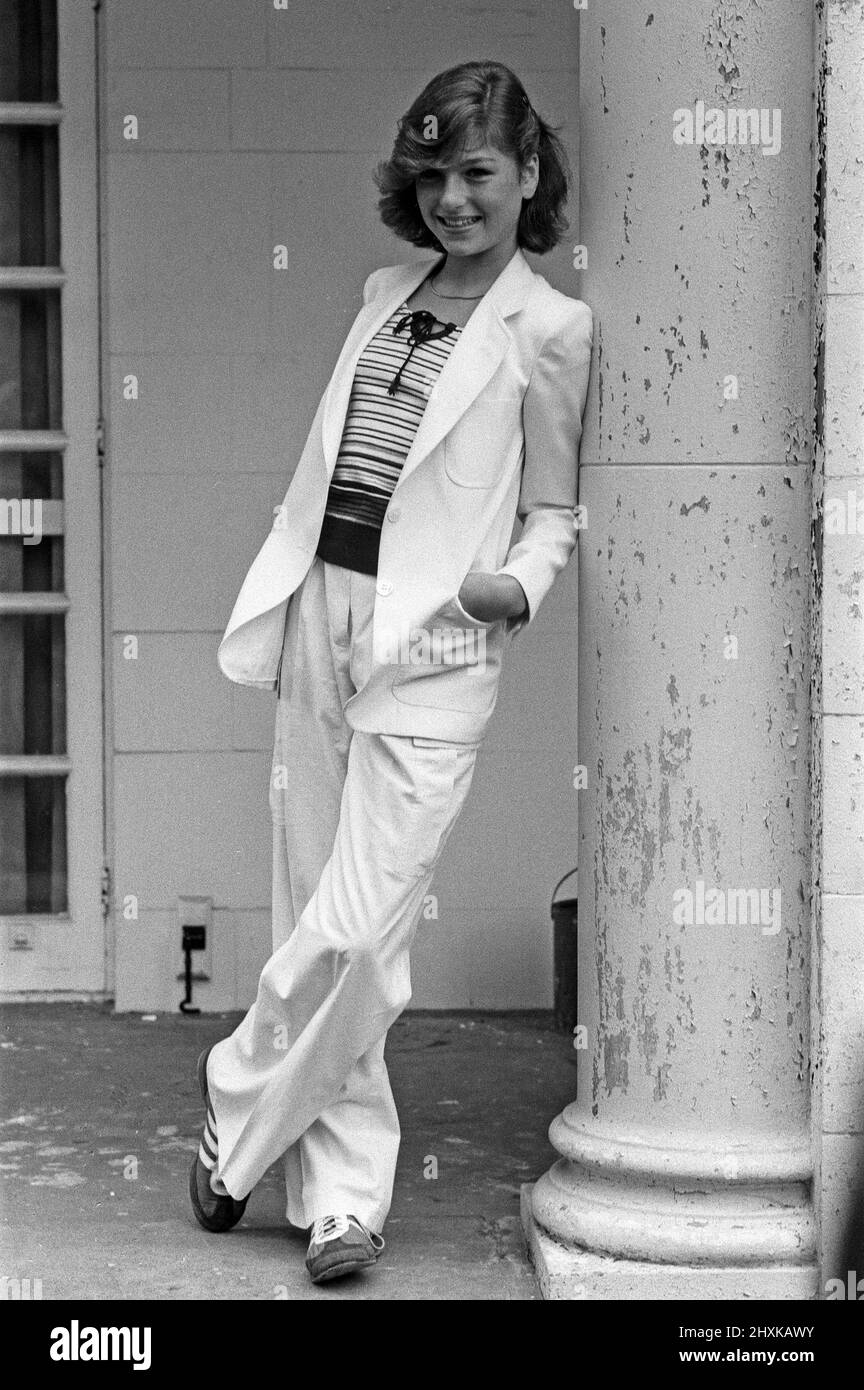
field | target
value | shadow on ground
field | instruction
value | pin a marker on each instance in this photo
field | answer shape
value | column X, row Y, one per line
column 101, row 1115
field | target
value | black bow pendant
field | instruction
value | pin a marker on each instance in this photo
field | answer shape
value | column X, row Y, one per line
column 422, row 330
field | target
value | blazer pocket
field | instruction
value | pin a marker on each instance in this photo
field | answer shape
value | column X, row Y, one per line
column 477, row 447
column 465, row 690
column 460, row 669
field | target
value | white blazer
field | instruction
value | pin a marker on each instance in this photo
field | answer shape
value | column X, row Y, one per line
column 499, row 437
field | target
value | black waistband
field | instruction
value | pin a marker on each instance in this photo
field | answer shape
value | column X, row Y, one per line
column 349, row 544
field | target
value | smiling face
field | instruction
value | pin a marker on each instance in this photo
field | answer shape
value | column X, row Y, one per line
column 472, row 202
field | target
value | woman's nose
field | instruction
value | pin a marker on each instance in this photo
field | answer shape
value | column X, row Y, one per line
column 453, row 192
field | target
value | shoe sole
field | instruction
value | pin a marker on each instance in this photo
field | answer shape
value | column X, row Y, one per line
column 346, row 1267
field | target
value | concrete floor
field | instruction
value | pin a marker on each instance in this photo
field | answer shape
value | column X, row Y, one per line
column 101, row 1115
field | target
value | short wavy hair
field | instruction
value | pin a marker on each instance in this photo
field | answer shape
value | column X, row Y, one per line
column 474, row 103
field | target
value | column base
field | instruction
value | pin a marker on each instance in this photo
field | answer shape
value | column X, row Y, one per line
column 565, row 1273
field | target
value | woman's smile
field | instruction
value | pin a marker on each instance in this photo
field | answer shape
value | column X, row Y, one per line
column 458, row 224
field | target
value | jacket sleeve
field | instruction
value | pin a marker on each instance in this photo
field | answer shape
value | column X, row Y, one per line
column 552, row 421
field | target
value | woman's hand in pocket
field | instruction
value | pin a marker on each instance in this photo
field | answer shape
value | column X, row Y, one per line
column 492, row 597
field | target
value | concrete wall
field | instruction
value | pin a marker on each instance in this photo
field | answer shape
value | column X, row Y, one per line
column 838, row 691
column 256, row 127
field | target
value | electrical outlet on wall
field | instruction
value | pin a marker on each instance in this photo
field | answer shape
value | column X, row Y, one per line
column 20, row 934
column 195, row 912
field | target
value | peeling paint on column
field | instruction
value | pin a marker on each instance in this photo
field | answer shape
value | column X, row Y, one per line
column 816, row 631
column 703, row 504
column 625, row 211
column 675, row 356
column 651, row 794
column 796, row 435
column 660, row 383
column 728, row 28
column 616, row 1047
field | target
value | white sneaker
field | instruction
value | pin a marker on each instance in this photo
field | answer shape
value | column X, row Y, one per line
column 340, row 1244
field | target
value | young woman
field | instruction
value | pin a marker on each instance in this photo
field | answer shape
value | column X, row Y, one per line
column 380, row 607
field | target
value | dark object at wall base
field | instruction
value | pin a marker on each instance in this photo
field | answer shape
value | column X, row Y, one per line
column 565, row 959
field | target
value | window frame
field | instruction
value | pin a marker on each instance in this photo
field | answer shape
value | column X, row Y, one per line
column 64, row 954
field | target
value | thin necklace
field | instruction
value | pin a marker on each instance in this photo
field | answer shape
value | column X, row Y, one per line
column 454, row 296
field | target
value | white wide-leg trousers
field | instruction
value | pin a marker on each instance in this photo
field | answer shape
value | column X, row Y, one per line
column 359, row 822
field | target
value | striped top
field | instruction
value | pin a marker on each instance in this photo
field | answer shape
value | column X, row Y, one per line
column 379, row 430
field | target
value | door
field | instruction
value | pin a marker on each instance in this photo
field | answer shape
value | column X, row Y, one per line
column 52, row 934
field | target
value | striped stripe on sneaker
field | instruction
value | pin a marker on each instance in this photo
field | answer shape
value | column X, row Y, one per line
column 212, row 1204
column 208, row 1152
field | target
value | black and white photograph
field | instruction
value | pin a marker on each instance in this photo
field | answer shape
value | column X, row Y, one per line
column 431, row 667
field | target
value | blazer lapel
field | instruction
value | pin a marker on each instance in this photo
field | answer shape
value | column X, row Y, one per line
column 473, row 361
column 366, row 325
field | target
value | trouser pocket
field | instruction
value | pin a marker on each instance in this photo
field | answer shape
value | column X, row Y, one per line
column 421, row 790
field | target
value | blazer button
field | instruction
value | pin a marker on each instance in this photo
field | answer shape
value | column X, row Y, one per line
column 394, row 513
column 384, row 587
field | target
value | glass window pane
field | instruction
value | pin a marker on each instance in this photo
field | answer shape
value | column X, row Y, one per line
column 29, row 208
column 30, row 386
column 32, row 646
column 29, row 483
column 33, row 844
column 31, row 569
column 33, row 688
column 28, row 50
column 31, row 475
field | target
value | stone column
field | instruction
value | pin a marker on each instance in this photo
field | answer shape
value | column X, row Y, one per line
column 838, row 646
column 685, row 1165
